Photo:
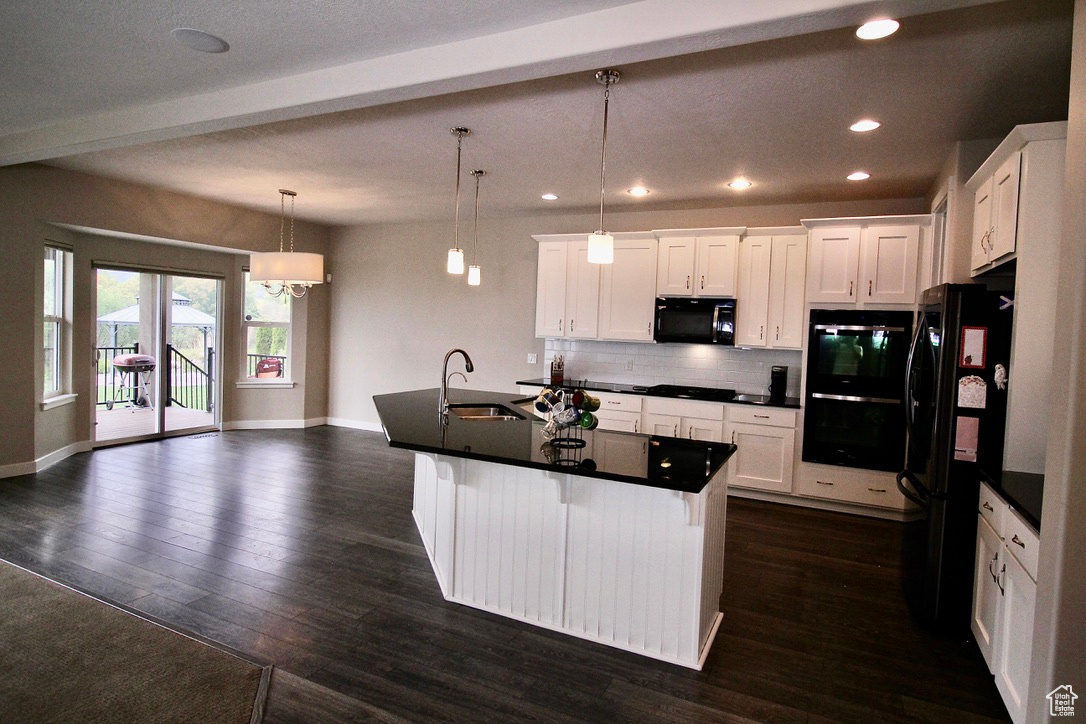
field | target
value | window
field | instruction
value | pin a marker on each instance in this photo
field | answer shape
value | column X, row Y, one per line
column 56, row 314
column 267, row 332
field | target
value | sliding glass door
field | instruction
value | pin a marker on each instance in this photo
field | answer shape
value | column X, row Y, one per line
column 157, row 367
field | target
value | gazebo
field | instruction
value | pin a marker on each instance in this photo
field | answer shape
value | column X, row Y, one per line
column 182, row 315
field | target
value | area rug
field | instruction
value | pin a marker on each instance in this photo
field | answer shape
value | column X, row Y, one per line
column 68, row 657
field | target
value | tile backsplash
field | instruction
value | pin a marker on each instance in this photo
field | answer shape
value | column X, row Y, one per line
column 704, row 365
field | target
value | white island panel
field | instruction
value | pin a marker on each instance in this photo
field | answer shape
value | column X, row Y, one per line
column 631, row 566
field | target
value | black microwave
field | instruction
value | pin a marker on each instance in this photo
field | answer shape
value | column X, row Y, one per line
column 699, row 320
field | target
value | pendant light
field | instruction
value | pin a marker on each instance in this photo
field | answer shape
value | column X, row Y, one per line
column 474, row 272
column 601, row 245
column 455, row 264
column 286, row 272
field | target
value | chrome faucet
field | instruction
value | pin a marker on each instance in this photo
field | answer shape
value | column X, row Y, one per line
column 443, row 401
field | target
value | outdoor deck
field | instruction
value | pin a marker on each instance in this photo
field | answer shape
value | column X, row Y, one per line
column 121, row 422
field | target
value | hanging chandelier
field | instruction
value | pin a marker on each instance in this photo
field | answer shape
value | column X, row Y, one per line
column 286, row 272
column 455, row 263
column 474, row 272
column 601, row 245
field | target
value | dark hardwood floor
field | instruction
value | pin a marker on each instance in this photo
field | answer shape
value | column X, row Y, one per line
column 298, row 548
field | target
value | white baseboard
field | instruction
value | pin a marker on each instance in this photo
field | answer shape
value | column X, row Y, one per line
column 274, row 424
column 355, row 424
column 29, row 468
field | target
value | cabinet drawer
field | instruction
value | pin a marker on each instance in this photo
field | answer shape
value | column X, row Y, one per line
column 753, row 415
column 1021, row 541
column 619, row 421
column 684, row 408
column 991, row 507
column 612, row 401
column 863, row 487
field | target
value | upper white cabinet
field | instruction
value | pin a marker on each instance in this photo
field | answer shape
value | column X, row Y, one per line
column 628, row 291
column 550, row 290
column 871, row 260
column 697, row 262
column 580, row 300
column 1016, row 194
column 995, row 213
column 770, row 299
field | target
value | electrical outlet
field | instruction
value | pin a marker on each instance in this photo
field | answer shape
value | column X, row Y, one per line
column 629, row 365
column 531, row 358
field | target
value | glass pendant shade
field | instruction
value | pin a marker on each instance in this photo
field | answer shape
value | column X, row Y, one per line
column 601, row 248
column 474, row 275
column 456, row 261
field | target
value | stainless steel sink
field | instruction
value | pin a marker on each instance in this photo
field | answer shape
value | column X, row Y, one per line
column 483, row 411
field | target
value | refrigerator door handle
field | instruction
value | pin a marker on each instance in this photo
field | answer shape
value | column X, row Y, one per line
column 915, row 490
column 910, row 377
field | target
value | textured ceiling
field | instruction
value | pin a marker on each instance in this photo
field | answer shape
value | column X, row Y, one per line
column 776, row 111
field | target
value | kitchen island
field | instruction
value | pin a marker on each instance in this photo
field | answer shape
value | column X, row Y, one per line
column 619, row 540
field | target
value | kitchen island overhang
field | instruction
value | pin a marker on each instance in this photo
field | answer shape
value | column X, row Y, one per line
column 620, row 541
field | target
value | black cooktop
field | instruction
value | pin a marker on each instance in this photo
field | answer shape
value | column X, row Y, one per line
column 714, row 394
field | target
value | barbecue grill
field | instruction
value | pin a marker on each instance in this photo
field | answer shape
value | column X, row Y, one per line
column 135, row 371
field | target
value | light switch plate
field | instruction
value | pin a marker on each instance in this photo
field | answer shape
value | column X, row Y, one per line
column 532, row 358
column 629, row 365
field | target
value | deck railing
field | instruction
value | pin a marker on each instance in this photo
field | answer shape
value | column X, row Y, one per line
column 187, row 384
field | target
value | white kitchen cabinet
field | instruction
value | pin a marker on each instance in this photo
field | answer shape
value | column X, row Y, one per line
column 1004, row 598
column 995, row 213
column 864, row 261
column 690, row 419
column 765, row 439
column 580, row 300
column 697, row 262
column 856, row 486
column 628, row 291
column 582, row 293
column 986, row 590
column 619, row 412
column 550, row 290
column 770, row 294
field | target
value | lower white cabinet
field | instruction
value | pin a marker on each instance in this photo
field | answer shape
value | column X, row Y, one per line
column 851, row 485
column 621, row 413
column 766, row 440
column 1004, row 598
column 691, row 419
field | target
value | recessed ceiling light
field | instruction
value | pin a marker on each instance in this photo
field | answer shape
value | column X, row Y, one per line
column 638, row 191
column 199, row 40
column 739, row 184
column 864, row 126
column 549, row 197
column 877, row 29
column 859, row 176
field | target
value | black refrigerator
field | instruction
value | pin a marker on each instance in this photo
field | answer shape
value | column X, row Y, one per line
column 956, row 407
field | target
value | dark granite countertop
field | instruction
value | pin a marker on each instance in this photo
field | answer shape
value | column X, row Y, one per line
column 598, row 386
column 411, row 421
column 1024, row 492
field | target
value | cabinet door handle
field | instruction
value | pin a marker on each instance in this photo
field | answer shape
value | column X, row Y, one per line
column 987, row 507
column 822, row 483
column 702, row 281
column 687, row 281
column 761, row 331
column 778, row 332
column 571, row 325
column 762, row 417
column 993, row 574
column 1018, row 541
column 676, row 432
column 690, row 433
column 850, row 289
column 733, row 437
column 869, row 283
column 635, row 425
column 1002, row 573
column 876, row 490
column 559, row 326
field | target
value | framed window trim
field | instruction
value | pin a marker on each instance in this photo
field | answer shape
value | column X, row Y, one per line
column 245, row 381
column 57, row 317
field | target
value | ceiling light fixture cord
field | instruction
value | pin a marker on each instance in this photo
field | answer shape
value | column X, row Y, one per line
column 475, row 245
column 460, row 132
column 607, row 77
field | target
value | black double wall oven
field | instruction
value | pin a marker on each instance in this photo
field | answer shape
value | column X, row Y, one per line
column 855, row 410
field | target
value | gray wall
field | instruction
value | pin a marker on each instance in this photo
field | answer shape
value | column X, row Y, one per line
column 395, row 311
column 34, row 198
